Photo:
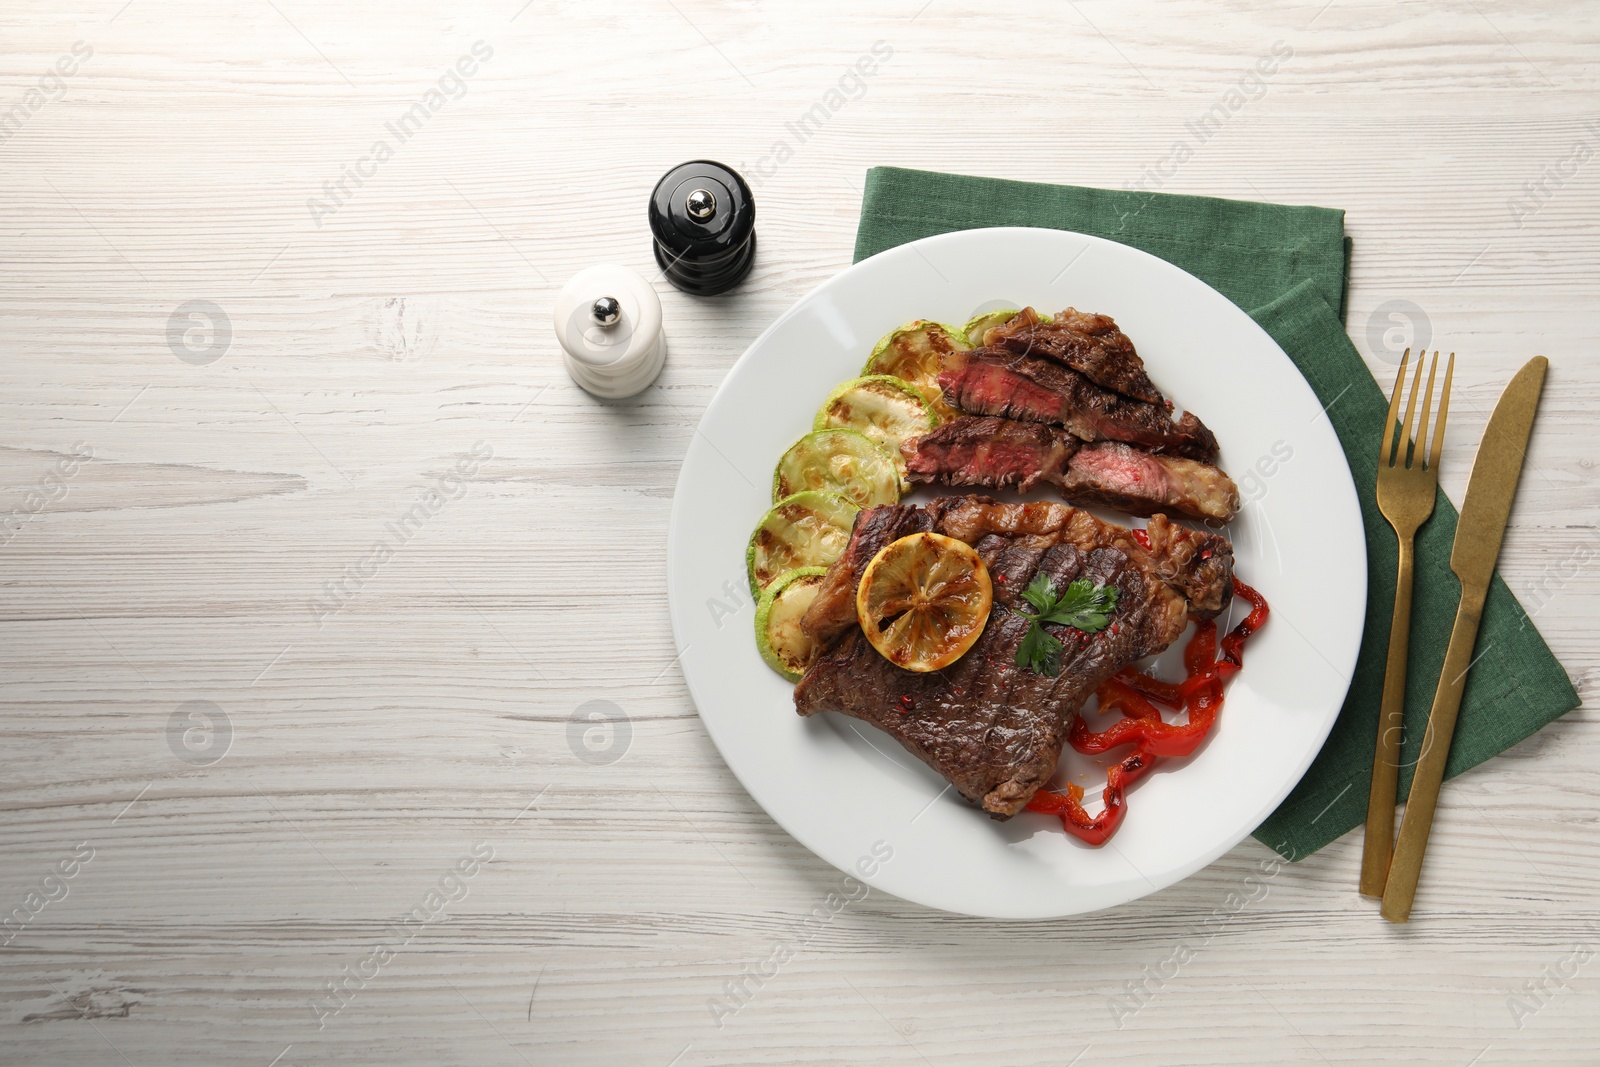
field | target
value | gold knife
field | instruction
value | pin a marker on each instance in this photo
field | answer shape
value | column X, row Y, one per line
column 1482, row 525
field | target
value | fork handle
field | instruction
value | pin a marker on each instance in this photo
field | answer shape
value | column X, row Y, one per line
column 1378, row 844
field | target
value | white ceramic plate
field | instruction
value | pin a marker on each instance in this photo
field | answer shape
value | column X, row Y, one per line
column 847, row 791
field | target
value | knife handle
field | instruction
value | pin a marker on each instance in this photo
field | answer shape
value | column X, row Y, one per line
column 1406, row 867
column 1378, row 844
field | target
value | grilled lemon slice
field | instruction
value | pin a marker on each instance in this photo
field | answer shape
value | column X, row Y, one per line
column 783, row 645
column 924, row 600
column 804, row 530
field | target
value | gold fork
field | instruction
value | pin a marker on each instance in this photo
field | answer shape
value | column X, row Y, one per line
column 1408, row 481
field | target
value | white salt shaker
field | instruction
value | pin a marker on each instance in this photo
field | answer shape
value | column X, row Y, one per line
column 608, row 320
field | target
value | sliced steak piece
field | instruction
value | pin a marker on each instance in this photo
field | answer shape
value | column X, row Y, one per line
column 990, row 452
column 995, row 730
column 1120, row 476
column 998, row 453
column 1088, row 343
column 989, row 381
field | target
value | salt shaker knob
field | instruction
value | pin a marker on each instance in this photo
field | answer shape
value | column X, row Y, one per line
column 608, row 321
column 703, row 223
column 606, row 311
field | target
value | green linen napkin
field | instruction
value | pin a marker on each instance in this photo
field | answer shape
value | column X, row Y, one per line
column 1287, row 267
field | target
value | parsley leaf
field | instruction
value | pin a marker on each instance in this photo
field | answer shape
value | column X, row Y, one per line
column 1039, row 652
column 1040, row 593
column 1083, row 605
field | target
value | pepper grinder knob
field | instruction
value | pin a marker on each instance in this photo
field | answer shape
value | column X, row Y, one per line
column 703, row 224
column 608, row 321
column 700, row 204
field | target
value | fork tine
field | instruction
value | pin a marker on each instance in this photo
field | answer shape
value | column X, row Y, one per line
column 1402, row 455
column 1444, row 411
column 1386, row 450
column 1419, row 453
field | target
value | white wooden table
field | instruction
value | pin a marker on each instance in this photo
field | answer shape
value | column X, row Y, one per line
column 241, row 868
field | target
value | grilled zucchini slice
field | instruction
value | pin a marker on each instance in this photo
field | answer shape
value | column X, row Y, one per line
column 885, row 409
column 978, row 325
column 916, row 353
column 783, row 645
column 804, row 530
column 838, row 461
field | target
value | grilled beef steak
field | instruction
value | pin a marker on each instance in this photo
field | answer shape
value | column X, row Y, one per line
column 999, row 453
column 994, row 729
column 989, row 381
column 1090, row 344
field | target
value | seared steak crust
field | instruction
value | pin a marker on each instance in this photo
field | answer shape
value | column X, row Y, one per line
column 993, row 381
column 1198, row 565
column 1088, row 343
column 993, row 729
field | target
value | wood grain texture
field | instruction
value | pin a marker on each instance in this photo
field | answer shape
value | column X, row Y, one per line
column 368, row 754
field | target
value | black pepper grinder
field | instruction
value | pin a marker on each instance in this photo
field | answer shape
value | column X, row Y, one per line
column 703, row 219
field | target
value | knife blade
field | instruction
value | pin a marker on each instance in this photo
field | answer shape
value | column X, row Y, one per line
column 1490, row 492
